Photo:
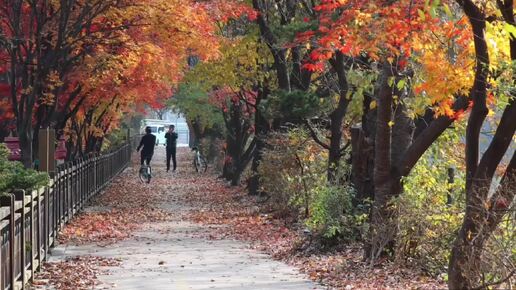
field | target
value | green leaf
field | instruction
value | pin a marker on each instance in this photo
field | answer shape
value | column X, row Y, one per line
column 433, row 12
column 421, row 14
column 447, row 11
column 401, row 84
column 511, row 29
column 390, row 81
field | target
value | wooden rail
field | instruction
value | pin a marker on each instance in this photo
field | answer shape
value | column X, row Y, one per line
column 30, row 221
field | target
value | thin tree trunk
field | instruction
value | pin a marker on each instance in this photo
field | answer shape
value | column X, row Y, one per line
column 337, row 118
column 382, row 231
column 362, row 155
column 482, row 215
column 25, row 143
column 261, row 131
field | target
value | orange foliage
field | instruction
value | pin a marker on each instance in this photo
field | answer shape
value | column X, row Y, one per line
column 128, row 56
column 404, row 34
column 140, row 68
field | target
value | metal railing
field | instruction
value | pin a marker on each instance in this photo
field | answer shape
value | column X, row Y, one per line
column 30, row 221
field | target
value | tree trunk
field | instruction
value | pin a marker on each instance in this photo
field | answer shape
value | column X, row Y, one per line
column 35, row 144
column 3, row 133
column 337, row 118
column 382, row 230
column 362, row 164
column 237, row 174
column 25, row 142
column 465, row 266
column 483, row 213
column 480, row 220
column 261, row 131
column 464, row 269
column 238, row 152
column 26, row 148
column 227, row 169
column 362, row 156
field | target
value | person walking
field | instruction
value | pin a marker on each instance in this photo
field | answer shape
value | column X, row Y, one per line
column 171, row 138
column 148, row 142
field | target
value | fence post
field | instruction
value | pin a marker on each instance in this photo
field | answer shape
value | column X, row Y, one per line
column 81, row 182
column 8, row 201
column 37, row 253
column 20, row 196
column 94, row 174
column 46, row 153
column 57, row 199
column 67, row 192
column 34, row 230
column 71, row 190
column 44, row 211
column 46, row 219
column 75, row 188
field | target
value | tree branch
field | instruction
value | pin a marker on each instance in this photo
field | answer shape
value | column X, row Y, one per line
column 315, row 137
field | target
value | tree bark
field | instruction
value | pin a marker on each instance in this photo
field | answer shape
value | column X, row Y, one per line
column 337, row 118
column 482, row 213
column 362, row 155
column 382, row 232
column 261, row 131
column 480, row 220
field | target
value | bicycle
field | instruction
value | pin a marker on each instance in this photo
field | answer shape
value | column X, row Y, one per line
column 145, row 173
column 200, row 163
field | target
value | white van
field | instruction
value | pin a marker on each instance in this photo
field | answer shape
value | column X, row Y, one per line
column 158, row 128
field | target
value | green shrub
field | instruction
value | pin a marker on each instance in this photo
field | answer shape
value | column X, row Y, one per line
column 14, row 176
column 431, row 208
column 332, row 213
column 114, row 140
column 294, row 173
column 292, row 167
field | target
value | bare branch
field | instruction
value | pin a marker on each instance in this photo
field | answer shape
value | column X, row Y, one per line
column 316, row 138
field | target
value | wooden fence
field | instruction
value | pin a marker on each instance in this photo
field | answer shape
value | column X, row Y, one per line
column 30, row 221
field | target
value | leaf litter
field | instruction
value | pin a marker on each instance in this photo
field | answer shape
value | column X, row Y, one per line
column 75, row 273
column 227, row 213
column 125, row 206
column 230, row 213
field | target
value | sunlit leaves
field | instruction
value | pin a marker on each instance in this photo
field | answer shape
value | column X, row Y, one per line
column 426, row 37
column 233, row 77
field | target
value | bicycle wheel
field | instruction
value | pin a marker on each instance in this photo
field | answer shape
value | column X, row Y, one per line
column 200, row 164
column 149, row 174
column 143, row 174
column 195, row 163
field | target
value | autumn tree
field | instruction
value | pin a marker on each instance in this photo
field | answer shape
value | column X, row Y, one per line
column 401, row 118
column 231, row 84
column 203, row 118
column 485, row 209
column 305, row 73
column 44, row 41
column 46, row 44
column 277, row 22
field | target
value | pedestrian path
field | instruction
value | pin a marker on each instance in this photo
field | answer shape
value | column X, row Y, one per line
column 177, row 254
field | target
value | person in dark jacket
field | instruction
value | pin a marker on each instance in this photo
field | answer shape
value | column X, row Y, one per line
column 171, row 138
column 148, row 142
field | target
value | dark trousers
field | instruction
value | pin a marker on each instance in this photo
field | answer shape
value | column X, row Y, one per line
column 171, row 153
column 146, row 156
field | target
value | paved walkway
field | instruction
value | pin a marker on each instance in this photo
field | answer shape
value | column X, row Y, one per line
column 174, row 255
